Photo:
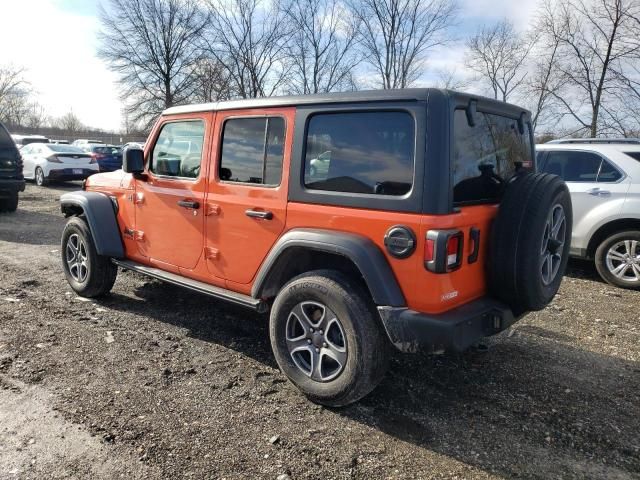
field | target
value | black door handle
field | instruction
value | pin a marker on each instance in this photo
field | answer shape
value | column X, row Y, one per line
column 188, row 204
column 259, row 214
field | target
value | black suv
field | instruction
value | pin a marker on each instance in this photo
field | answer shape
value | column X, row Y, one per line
column 11, row 178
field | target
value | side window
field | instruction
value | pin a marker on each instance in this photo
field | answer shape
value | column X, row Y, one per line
column 360, row 152
column 178, row 150
column 485, row 156
column 252, row 150
column 573, row 166
column 608, row 173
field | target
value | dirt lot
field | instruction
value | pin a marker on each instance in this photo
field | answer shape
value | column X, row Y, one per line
column 156, row 382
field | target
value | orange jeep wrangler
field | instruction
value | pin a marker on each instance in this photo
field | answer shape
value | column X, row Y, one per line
column 410, row 218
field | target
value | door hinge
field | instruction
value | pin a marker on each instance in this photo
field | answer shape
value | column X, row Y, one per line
column 136, row 198
column 211, row 253
column 134, row 234
column 211, row 209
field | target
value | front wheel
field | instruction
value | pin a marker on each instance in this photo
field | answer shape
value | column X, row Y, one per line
column 89, row 274
column 617, row 260
column 326, row 339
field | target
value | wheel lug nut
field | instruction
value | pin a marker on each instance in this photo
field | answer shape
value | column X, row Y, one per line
column 309, row 341
column 324, row 344
column 311, row 330
column 320, row 332
column 317, row 350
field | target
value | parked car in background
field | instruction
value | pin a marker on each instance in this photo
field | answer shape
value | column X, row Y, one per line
column 109, row 157
column 22, row 140
column 83, row 141
column 44, row 162
column 61, row 142
column 603, row 176
column 11, row 179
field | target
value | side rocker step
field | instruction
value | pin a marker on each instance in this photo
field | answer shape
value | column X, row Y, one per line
column 195, row 285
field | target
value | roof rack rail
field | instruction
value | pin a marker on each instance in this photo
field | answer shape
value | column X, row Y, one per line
column 596, row 140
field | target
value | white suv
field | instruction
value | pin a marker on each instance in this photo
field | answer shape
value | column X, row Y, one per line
column 604, row 180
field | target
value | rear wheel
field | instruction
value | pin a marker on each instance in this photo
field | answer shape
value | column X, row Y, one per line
column 617, row 259
column 326, row 339
column 41, row 180
column 89, row 274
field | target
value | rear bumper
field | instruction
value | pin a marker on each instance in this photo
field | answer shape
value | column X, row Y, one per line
column 71, row 173
column 11, row 186
column 455, row 330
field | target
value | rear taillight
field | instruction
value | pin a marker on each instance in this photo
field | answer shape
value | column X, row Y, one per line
column 453, row 250
column 53, row 159
column 443, row 250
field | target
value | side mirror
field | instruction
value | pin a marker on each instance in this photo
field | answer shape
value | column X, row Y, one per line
column 133, row 160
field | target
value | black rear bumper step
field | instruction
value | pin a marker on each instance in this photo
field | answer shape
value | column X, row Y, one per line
column 454, row 331
column 195, row 285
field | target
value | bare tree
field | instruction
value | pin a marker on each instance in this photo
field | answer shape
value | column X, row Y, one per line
column 321, row 48
column 154, row 46
column 593, row 36
column 498, row 55
column 395, row 35
column 69, row 122
column 212, row 82
column 543, row 81
column 248, row 37
column 14, row 93
column 36, row 116
column 450, row 79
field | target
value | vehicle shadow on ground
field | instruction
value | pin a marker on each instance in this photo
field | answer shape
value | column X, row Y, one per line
column 530, row 406
column 584, row 269
column 26, row 226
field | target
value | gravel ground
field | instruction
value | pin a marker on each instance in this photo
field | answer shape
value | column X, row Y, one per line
column 157, row 382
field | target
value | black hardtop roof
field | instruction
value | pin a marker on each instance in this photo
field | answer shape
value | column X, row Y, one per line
column 362, row 96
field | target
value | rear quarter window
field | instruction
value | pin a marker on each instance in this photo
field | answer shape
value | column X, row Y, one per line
column 486, row 156
column 360, row 152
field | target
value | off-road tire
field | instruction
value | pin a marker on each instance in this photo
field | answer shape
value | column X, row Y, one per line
column 601, row 259
column 515, row 260
column 9, row 204
column 101, row 272
column 366, row 344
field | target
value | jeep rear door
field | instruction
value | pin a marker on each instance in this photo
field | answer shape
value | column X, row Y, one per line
column 170, row 197
column 247, row 196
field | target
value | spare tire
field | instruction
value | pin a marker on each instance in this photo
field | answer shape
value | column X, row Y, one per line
column 531, row 236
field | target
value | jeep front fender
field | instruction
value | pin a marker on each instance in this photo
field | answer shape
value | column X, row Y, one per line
column 101, row 217
column 364, row 254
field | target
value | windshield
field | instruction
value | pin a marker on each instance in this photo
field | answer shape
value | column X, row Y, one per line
column 487, row 155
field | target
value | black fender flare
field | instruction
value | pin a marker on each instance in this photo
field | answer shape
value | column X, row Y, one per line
column 365, row 254
column 100, row 214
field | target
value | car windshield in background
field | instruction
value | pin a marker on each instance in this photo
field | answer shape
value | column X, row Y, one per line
column 487, row 155
column 64, row 148
column 634, row 155
column 104, row 150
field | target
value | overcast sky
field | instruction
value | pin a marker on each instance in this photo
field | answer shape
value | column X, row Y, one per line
column 56, row 41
